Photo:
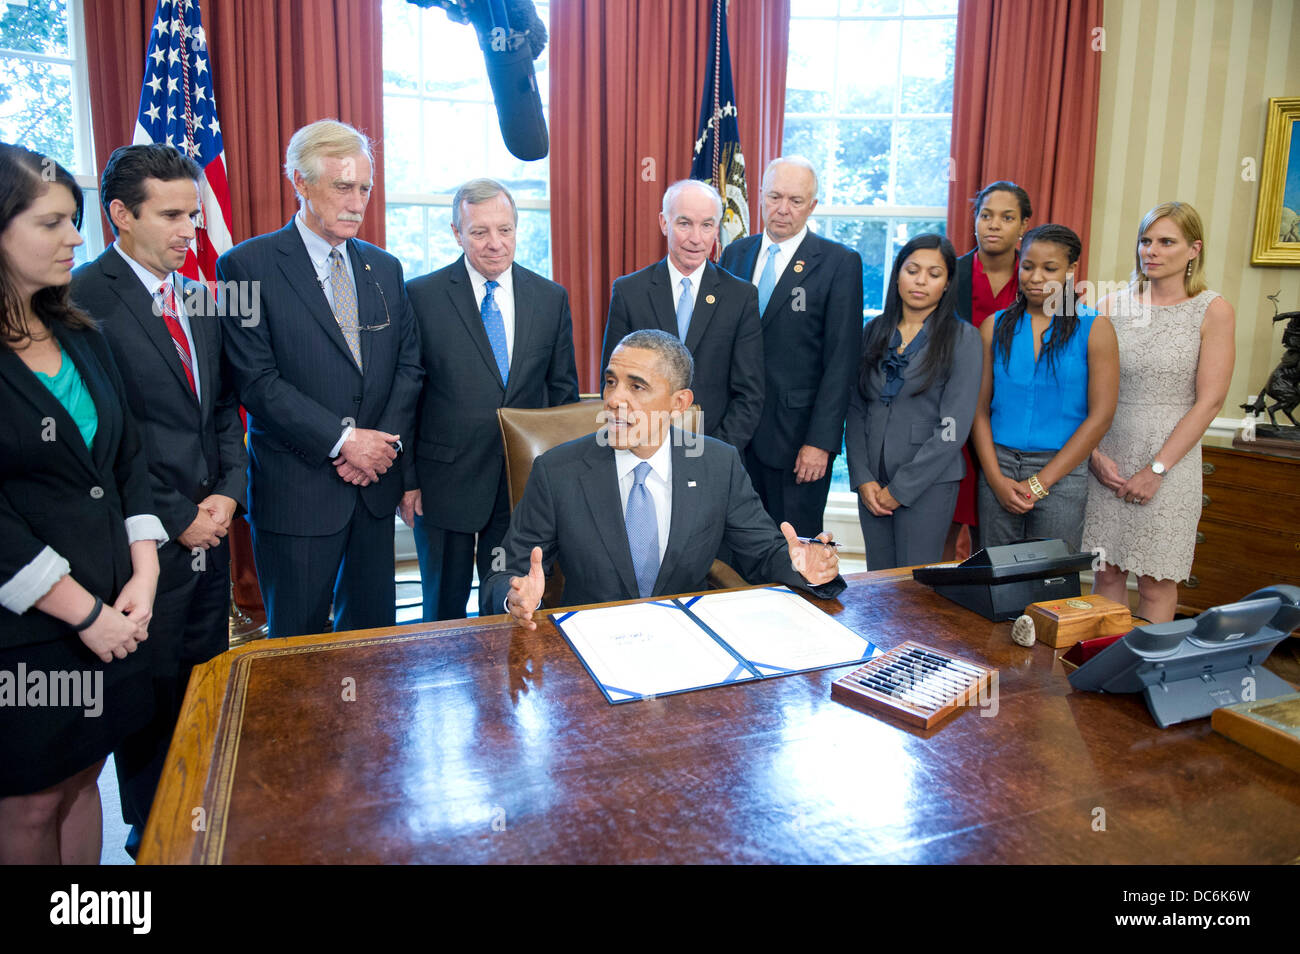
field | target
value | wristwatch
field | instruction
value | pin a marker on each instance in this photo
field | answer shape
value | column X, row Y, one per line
column 1158, row 468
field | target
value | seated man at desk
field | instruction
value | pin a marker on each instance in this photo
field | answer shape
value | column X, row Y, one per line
column 639, row 508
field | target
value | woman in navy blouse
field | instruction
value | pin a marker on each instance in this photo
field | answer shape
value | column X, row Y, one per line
column 911, row 412
column 1051, row 381
column 78, row 539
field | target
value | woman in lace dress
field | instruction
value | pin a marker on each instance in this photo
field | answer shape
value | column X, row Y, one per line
column 1176, row 349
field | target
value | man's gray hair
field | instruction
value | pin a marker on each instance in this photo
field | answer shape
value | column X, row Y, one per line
column 675, row 362
column 799, row 161
column 681, row 185
column 323, row 139
column 476, row 191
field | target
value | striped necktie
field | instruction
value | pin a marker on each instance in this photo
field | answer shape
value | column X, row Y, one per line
column 171, row 318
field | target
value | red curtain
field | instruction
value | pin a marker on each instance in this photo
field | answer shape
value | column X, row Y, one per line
column 275, row 67
column 626, row 80
column 1025, row 94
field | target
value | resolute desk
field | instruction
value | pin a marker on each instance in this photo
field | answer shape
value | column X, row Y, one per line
column 476, row 741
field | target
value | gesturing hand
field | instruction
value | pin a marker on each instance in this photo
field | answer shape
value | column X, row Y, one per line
column 816, row 563
column 526, row 591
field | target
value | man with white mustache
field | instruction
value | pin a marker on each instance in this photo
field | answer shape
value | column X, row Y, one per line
column 329, row 370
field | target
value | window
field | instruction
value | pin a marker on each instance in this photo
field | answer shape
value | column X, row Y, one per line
column 869, row 102
column 440, row 129
column 45, row 96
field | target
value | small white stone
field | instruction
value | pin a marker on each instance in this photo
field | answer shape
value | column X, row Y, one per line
column 1022, row 631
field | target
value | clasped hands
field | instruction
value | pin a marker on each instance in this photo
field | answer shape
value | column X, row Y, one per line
column 366, row 456
column 211, row 523
column 1138, row 489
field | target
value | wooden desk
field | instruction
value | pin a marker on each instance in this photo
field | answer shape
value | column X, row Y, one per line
column 478, row 742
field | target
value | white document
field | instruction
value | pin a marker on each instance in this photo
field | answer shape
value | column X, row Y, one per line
column 779, row 631
column 648, row 649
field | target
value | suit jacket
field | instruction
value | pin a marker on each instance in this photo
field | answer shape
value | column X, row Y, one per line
column 57, row 493
column 724, row 339
column 965, row 285
column 194, row 449
column 573, row 510
column 300, row 385
column 457, row 444
column 916, row 441
column 811, row 330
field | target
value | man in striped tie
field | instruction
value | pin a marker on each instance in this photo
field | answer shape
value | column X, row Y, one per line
column 166, row 339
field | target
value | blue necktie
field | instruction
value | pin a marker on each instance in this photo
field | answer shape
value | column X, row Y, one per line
column 642, row 532
column 684, row 308
column 495, row 326
column 767, row 281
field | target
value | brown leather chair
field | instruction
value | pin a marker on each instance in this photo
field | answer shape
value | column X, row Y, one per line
column 529, row 432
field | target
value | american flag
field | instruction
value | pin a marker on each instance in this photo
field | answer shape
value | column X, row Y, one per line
column 177, row 107
column 717, row 157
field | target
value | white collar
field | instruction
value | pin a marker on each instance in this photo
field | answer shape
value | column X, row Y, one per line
column 676, row 277
column 787, row 246
column 661, row 462
column 147, row 278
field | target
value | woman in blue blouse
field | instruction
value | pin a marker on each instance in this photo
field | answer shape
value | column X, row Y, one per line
column 78, row 539
column 1051, row 381
column 911, row 412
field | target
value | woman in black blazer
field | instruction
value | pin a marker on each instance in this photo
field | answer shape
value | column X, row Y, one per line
column 911, row 412
column 78, row 542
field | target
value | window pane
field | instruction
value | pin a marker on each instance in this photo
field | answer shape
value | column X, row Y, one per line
column 868, row 65
column 922, row 161
column 929, row 47
column 810, row 73
column 401, row 47
column 405, row 229
column 91, row 228
column 861, row 175
column 813, row 139
column 453, row 62
column 39, row 27
column 36, row 108
column 868, row 237
column 403, row 170
column 533, row 246
column 468, row 125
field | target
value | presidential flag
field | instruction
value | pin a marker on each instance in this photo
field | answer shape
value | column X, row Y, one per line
column 177, row 108
column 718, row 158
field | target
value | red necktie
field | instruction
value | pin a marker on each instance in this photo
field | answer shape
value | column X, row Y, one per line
column 177, row 332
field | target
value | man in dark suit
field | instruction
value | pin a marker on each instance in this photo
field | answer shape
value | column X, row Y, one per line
column 166, row 339
column 713, row 312
column 810, row 300
column 493, row 334
column 328, row 369
column 630, row 512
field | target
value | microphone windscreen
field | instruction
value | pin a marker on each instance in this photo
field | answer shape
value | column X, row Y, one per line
column 519, row 105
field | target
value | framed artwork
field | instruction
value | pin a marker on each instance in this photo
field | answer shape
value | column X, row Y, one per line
column 1277, row 218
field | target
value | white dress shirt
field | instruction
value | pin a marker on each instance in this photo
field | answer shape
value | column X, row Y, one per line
column 675, row 277
column 503, row 295
column 786, row 256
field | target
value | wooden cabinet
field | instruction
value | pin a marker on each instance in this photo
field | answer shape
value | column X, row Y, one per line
column 1249, row 534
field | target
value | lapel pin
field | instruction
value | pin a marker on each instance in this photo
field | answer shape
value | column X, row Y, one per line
column 798, row 266
column 690, row 483
column 709, row 299
column 367, row 264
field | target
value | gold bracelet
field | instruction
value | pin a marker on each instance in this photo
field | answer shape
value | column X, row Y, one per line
column 1036, row 486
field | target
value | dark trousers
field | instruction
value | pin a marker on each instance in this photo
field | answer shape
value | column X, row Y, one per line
column 447, row 561
column 804, row 505
column 190, row 625
column 352, row 570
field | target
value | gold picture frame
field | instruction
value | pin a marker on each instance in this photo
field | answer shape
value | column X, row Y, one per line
column 1277, row 217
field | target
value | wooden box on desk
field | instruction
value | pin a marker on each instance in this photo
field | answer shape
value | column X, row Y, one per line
column 1062, row 623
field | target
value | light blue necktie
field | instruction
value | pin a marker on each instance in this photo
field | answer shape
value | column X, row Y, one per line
column 767, row 281
column 642, row 532
column 684, row 308
column 495, row 326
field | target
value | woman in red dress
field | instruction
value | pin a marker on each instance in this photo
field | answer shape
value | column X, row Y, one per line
column 986, row 282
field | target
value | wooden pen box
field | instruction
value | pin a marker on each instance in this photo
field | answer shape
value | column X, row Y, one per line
column 1062, row 623
column 1269, row 726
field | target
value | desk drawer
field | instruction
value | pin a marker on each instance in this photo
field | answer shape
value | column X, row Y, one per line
column 1269, row 475
column 1245, row 504
column 1243, row 546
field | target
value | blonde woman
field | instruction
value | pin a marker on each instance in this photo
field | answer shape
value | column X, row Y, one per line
column 1176, row 348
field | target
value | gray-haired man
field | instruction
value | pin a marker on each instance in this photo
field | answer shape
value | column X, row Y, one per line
column 493, row 335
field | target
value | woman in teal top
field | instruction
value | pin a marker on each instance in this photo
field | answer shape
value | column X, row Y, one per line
column 78, row 539
column 1051, row 381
